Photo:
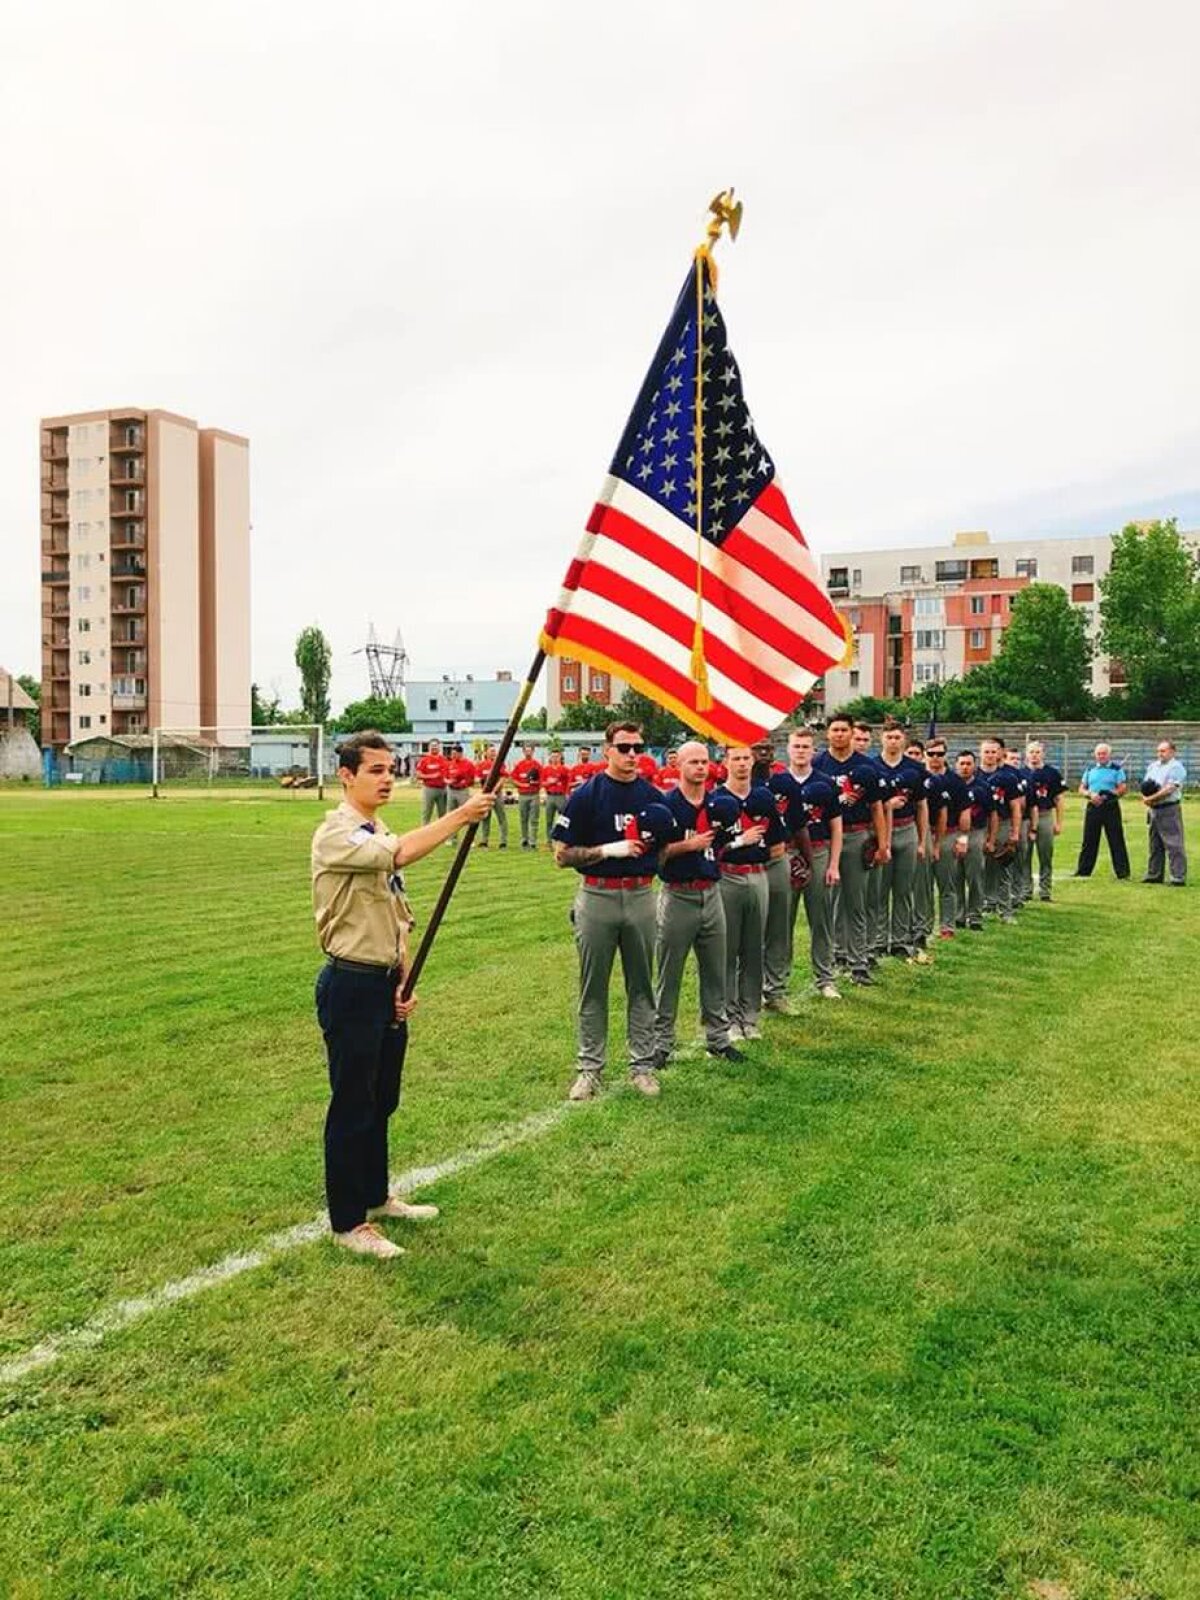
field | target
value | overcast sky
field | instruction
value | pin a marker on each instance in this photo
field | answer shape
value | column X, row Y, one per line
column 422, row 257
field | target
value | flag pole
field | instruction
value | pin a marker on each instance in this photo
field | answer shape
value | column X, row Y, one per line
column 468, row 837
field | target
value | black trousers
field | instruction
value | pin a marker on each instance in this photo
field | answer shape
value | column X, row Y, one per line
column 1104, row 818
column 365, row 1045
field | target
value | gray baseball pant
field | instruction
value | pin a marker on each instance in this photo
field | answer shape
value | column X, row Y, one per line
column 945, row 871
column 433, row 803
column 969, row 883
column 690, row 919
column 777, row 942
column 1166, row 839
column 998, row 876
column 818, row 900
column 608, row 921
column 745, row 898
column 923, row 894
column 528, row 806
column 1044, row 844
column 500, row 812
column 556, row 804
column 899, row 877
column 852, row 904
column 877, row 932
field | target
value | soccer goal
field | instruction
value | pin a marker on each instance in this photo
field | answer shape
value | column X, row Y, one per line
column 289, row 758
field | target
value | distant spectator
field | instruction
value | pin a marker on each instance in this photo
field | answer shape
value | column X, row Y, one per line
column 1162, row 796
column 1102, row 785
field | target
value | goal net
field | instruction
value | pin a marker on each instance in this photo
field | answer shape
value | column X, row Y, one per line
column 288, row 758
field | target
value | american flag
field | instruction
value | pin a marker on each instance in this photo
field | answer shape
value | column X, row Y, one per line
column 628, row 602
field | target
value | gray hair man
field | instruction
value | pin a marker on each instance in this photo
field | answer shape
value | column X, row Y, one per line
column 1164, row 816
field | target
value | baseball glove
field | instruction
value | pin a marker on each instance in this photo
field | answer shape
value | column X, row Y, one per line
column 869, row 851
column 800, row 868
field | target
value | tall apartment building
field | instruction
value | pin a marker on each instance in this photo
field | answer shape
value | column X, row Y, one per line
column 145, row 575
column 568, row 682
column 933, row 612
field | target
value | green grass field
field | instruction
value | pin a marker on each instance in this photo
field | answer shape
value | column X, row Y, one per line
column 906, row 1306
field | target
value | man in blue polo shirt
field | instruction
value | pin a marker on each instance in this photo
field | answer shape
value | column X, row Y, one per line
column 1102, row 786
column 860, row 794
column 1164, row 815
column 691, row 913
column 614, row 909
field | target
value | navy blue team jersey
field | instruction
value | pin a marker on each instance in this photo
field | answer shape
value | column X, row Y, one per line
column 857, row 781
column 814, row 800
column 1006, row 786
column 905, row 778
column 1045, row 786
column 757, row 806
column 946, row 791
column 603, row 811
column 691, row 864
column 979, row 793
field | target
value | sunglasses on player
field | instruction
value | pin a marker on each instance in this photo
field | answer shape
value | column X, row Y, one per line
column 627, row 749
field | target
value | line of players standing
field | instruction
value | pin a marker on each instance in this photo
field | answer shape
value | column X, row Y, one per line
column 887, row 852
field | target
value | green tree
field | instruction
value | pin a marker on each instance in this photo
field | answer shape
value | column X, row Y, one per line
column 660, row 727
column 314, row 659
column 584, row 716
column 982, row 696
column 388, row 716
column 1045, row 656
column 265, row 711
column 1150, row 616
column 33, row 688
column 534, row 722
column 872, row 708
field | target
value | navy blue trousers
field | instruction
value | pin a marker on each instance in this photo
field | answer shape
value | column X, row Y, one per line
column 365, row 1045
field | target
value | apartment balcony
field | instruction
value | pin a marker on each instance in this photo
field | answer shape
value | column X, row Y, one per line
column 54, row 482
column 120, row 608
column 129, row 702
column 60, row 513
column 56, row 575
column 56, row 449
column 128, row 538
column 127, row 471
column 61, row 607
column 126, row 438
column 127, row 503
column 128, row 569
column 133, row 664
column 132, row 633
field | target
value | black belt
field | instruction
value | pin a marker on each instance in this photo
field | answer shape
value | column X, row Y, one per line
column 375, row 968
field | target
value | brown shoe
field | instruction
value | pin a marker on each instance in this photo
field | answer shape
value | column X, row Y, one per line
column 585, row 1087
column 366, row 1240
column 646, row 1083
column 392, row 1207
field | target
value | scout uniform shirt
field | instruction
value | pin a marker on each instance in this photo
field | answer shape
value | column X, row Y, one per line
column 358, row 896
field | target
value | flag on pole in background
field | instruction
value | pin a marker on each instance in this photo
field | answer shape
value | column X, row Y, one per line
column 644, row 571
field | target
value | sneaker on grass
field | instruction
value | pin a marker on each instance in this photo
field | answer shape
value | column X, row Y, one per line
column 585, row 1087
column 727, row 1052
column 366, row 1240
column 779, row 1004
column 646, row 1083
column 392, row 1207
column 828, row 992
column 751, row 1032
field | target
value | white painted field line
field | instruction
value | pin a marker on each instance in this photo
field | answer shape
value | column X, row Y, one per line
column 126, row 1312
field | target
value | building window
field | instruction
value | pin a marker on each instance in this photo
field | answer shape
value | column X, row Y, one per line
column 931, row 639
column 839, row 577
column 927, row 672
column 856, row 578
column 83, row 593
column 1083, row 566
column 82, row 625
column 989, row 567
column 910, row 574
column 568, row 683
column 928, row 605
column 83, row 560
column 1083, row 591
column 433, row 705
column 1027, row 568
column 85, row 690
column 84, row 658
column 977, row 637
column 468, row 705
column 85, row 722
column 598, row 683
column 854, row 680
column 978, row 605
column 103, row 719
column 951, row 571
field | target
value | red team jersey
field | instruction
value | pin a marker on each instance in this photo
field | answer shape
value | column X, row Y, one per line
column 460, row 772
column 556, row 778
column 717, row 774
column 582, row 771
column 666, row 778
column 647, row 766
column 482, row 768
column 432, row 770
column 527, row 775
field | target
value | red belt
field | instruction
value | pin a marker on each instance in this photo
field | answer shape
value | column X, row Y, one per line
column 855, row 827
column 694, row 883
column 618, row 883
column 904, row 822
column 742, row 872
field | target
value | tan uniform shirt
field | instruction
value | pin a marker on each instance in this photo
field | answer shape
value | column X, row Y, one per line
column 358, row 896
